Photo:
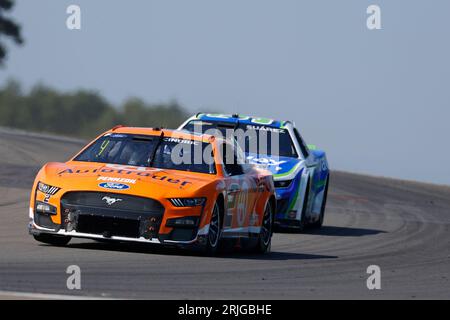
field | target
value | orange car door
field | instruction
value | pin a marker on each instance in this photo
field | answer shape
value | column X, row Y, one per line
column 241, row 192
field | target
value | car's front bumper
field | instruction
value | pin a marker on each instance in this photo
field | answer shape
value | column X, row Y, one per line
column 288, row 200
column 195, row 236
column 199, row 240
column 286, row 207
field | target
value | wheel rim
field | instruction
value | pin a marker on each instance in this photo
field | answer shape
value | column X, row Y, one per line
column 214, row 227
column 267, row 225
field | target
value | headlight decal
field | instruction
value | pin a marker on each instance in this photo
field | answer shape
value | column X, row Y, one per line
column 47, row 189
column 282, row 183
column 187, row 202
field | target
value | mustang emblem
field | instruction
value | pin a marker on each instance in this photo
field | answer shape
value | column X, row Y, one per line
column 111, row 201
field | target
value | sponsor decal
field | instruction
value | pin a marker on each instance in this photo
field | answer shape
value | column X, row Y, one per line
column 241, row 205
column 266, row 162
column 262, row 120
column 116, row 179
column 116, row 135
column 217, row 115
column 114, row 186
column 110, row 201
column 176, row 140
column 152, row 175
column 238, row 202
column 263, row 128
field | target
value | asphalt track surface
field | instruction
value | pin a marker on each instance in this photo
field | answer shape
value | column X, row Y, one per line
column 403, row 227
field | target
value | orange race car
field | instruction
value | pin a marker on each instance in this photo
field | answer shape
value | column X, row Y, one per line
column 154, row 186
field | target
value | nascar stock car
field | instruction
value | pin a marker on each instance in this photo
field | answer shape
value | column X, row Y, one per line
column 300, row 171
column 126, row 186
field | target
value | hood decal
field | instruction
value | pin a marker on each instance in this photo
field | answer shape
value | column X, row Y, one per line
column 154, row 175
column 267, row 162
column 114, row 186
column 279, row 166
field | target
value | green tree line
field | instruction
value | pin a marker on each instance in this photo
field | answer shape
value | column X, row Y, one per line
column 81, row 113
column 8, row 28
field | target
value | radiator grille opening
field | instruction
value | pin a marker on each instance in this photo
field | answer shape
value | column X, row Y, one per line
column 111, row 226
column 111, row 214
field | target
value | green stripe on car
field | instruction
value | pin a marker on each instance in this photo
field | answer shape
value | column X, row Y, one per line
column 281, row 175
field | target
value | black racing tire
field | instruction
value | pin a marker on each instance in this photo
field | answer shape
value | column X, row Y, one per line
column 265, row 236
column 214, row 233
column 318, row 224
column 58, row 241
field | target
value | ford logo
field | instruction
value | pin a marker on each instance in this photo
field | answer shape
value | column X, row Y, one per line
column 114, row 186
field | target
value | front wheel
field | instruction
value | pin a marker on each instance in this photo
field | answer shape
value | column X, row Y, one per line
column 265, row 235
column 215, row 232
column 51, row 239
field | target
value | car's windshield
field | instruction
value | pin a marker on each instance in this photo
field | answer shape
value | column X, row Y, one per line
column 139, row 150
column 252, row 138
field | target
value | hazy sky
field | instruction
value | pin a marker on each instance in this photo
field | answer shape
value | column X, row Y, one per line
column 377, row 101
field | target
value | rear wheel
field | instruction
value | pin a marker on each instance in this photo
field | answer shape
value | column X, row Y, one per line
column 215, row 231
column 319, row 223
column 265, row 236
column 51, row 239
